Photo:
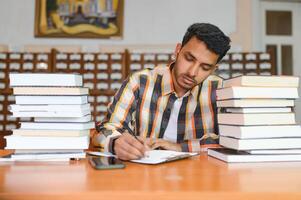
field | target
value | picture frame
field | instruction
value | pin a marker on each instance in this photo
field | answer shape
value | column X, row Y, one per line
column 79, row 18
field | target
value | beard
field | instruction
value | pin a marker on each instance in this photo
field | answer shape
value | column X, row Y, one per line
column 183, row 80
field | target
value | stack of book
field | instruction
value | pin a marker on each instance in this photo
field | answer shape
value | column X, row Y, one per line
column 62, row 118
column 257, row 119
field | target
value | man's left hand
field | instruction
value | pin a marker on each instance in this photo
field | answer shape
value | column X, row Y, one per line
column 166, row 145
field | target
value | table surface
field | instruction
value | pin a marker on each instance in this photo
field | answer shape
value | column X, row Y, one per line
column 194, row 178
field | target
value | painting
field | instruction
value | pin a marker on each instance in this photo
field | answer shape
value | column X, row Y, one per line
column 79, row 18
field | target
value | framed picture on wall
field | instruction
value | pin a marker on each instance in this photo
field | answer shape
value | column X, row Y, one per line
column 79, row 18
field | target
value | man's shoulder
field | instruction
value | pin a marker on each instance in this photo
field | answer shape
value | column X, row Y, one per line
column 214, row 78
column 158, row 70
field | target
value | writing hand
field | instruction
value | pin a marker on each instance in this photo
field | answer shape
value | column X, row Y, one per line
column 166, row 145
column 127, row 147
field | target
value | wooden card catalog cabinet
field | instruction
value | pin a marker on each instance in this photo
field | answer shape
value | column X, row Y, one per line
column 16, row 62
column 140, row 60
column 257, row 63
column 103, row 74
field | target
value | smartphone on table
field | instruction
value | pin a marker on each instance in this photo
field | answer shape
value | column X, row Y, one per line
column 102, row 162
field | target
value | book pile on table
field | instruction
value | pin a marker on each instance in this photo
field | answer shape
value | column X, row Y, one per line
column 62, row 117
column 257, row 119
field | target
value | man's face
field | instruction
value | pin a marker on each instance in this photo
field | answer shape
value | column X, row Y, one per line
column 194, row 63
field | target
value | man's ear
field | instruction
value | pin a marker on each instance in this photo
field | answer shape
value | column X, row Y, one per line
column 178, row 48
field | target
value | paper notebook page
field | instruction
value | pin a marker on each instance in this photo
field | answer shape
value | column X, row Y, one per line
column 159, row 156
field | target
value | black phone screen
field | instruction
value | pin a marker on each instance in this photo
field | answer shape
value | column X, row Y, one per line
column 105, row 162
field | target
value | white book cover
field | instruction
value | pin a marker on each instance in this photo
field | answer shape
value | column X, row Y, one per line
column 256, row 92
column 256, row 118
column 265, row 143
column 263, row 81
column 256, row 103
column 46, row 151
column 58, row 114
column 275, row 151
column 262, row 131
column 45, row 79
column 47, row 156
column 36, row 142
column 51, row 100
column 50, row 91
column 57, row 126
column 10, row 159
column 53, row 132
column 48, row 108
column 85, row 118
column 258, row 110
column 233, row 156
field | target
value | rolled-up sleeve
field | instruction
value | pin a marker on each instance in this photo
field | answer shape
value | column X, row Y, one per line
column 119, row 114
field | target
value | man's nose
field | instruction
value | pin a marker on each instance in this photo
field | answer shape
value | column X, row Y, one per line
column 193, row 71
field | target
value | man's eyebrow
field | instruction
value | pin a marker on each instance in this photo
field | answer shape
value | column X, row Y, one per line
column 207, row 64
column 190, row 54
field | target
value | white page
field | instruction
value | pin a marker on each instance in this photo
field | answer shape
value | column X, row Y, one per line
column 160, row 156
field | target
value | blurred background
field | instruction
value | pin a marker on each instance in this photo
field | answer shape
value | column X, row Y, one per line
column 148, row 31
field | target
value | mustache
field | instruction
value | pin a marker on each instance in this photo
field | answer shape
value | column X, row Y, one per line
column 186, row 76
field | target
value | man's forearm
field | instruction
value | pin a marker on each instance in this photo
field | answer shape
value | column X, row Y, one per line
column 105, row 142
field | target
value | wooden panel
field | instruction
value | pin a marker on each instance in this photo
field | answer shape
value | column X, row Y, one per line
column 272, row 49
column 278, row 22
column 287, row 59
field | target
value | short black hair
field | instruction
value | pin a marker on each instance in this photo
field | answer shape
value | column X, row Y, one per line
column 215, row 40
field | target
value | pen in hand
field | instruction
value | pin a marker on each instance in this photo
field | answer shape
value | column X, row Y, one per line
column 131, row 132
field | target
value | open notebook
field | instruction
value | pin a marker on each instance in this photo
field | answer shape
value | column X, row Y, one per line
column 162, row 156
column 155, row 156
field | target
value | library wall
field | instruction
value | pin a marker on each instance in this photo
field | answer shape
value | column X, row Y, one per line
column 145, row 22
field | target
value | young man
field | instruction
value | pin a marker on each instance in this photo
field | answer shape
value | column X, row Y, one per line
column 170, row 107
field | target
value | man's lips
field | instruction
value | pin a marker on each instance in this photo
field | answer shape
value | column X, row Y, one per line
column 189, row 80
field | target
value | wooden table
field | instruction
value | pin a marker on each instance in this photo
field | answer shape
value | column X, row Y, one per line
column 199, row 178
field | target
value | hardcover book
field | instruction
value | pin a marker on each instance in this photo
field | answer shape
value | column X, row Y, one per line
column 256, row 118
column 256, row 92
column 260, row 131
column 85, row 118
column 233, row 156
column 45, row 79
column 46, row 142
column 262, row 81
column 50, row 91
column 50, row 133
column 260, row 144
column 57, row 126
column 258, row 110
column 256, row 103
column 51, row 100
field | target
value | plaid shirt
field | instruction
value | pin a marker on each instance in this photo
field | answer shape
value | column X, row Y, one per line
column 144, row 103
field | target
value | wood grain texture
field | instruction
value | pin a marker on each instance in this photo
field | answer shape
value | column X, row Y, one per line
column 200, row 177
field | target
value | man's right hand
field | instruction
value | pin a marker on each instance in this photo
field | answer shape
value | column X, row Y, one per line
column 127, row 147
